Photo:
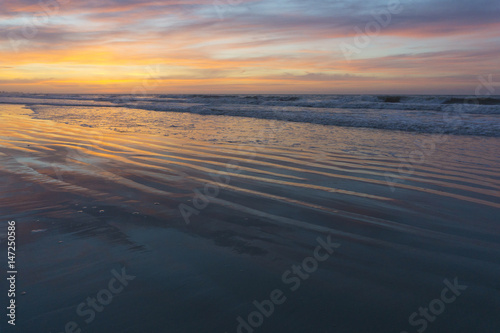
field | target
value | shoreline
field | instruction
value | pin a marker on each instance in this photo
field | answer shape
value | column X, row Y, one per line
column 88, row 201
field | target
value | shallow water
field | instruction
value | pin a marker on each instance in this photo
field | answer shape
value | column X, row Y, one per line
column 463, row 115
column 209, row 212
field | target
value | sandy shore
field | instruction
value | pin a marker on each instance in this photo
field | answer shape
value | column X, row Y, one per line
column 207, row 229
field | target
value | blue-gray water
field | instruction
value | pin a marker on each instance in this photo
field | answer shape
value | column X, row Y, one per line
column 98, row 189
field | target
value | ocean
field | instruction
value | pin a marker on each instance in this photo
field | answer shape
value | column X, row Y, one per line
column 253, row 213
column 477, row 116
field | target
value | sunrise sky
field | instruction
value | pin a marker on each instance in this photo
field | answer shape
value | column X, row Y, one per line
column 229, row 46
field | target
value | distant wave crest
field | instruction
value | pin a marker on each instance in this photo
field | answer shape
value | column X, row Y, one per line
column 460, row 115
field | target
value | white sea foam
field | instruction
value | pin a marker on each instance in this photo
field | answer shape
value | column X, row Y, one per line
column 424, row 114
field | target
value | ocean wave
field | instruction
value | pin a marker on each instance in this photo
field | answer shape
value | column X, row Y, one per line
column 459, row 115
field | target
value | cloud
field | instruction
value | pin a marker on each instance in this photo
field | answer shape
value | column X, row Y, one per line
column 284, row 41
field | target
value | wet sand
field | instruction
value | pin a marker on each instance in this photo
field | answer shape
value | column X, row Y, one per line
column 207, row 228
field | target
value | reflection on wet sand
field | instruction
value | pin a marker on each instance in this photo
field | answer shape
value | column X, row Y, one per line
column 91, row 189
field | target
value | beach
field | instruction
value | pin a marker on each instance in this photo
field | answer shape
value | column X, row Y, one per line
column 250, row 166
column 216, row 222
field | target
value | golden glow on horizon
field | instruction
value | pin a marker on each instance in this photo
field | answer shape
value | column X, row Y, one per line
column 112, row 47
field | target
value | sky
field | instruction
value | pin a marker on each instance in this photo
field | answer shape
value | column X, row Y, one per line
column 248, row 46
